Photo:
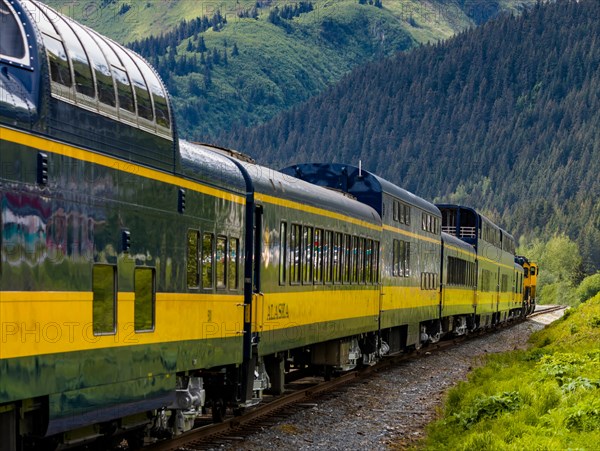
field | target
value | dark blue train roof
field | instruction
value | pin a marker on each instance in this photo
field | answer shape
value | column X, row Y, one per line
column 365, row 186
column 200, row 162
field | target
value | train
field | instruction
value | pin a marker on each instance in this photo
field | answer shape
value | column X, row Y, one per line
column 146, row 280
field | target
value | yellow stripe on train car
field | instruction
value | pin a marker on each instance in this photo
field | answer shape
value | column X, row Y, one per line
column 63, row 321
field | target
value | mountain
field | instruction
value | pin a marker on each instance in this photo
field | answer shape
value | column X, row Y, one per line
column 505, row 117
column 243, row 62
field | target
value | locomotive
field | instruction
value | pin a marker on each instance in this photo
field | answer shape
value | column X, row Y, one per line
column 145, row 280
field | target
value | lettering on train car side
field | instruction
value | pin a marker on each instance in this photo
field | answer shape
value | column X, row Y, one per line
column 277, row 311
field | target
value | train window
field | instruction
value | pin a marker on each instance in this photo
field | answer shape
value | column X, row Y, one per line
column 318, row 256
column 295, row 254
column 396, row 258
column 375, row 278
column 159, row 96
column 221, row 262
column 532, row 271
column 406, row 266
column 401, row 259
column 145, row 294
column 337, row 258
column 207, row 260
column 282, row 252
column 59, row 65
column 354, row 265
column 104, row 79
column 84, row 82
column 327, row 260
column 360, row 259
column 234, row 263
column 161, row 107
column 347, row 256
column 12, row 39
column 369, row 261
column 124, row 91
column 395, row 211
column 104, row 303
column 144, row 104
column 307, row 251
column 193, row 275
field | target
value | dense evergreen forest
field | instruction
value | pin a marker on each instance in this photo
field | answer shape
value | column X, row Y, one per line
column 505, row 117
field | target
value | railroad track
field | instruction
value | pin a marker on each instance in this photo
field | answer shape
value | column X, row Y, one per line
column 541, row 310
column 234, row 429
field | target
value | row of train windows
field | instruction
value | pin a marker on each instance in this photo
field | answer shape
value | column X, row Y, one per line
column 401, row 213
column 99, row 69
column 105, row 85
column 486, row 282
column 104, row 287
column 461, row 272
column 212, row 261
column 491, row 235
column 430, row 223
column 310, row 255
column 429, row 281
column 401, row 259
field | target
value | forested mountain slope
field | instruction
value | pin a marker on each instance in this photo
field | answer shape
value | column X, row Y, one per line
column 242, row 62
column 505, row 117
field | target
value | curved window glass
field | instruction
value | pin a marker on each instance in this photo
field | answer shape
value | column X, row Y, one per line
column 40, row 14
column 59, row 65
column 104, row 80
column 12, row 42
column 84, row 83
column 124, row 90
column 144, row 103
column 142, row 96
column 161, row 106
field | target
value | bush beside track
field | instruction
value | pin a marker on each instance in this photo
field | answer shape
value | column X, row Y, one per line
column 546, row 398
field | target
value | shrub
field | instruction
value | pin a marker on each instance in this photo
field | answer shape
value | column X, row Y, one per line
column 589, row 287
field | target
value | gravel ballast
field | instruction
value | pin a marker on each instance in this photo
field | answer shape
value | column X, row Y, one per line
column 391, row 408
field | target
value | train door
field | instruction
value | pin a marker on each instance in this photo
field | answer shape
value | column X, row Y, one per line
column 258, row 297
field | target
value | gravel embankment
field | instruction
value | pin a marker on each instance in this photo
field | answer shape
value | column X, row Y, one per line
column 391, row 409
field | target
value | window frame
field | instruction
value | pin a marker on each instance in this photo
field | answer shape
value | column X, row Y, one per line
column 114, row 302
column 153, row 299
column 212, row 261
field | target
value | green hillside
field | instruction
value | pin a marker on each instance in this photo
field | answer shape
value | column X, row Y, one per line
column 505, row 117
column 277, row 62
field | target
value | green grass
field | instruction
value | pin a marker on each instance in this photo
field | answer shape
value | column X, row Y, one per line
column 546, row 398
